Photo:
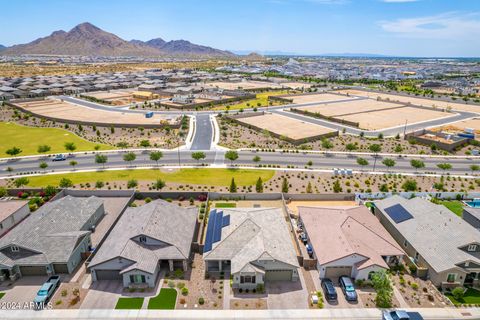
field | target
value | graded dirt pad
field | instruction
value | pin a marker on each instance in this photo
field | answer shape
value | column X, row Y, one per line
column 415, row 101
column 296, row 85
column 349, row 107
column 72, row 112
column 462, row 125
column 109, row 95
column 316, row 97
column 393, row 117
column 285, row 126
column 246, row 85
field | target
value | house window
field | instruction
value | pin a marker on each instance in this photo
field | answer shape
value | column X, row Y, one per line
column 416, row 256
column 472, row 247
column 143, row 239
column 451, row 277
column 247, row 279
column 15, row 249
column 137, row 278
column 405, row 243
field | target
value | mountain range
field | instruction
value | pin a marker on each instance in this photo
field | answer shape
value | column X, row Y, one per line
column 88, row 40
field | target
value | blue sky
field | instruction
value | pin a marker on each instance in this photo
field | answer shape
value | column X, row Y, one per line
column 392, row 27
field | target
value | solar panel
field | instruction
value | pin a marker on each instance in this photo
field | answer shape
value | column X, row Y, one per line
column 398, row 213
column 226, row 221
column 210, row 230
column 217, row 233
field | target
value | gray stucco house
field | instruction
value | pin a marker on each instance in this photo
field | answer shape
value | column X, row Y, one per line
column 444, row 247
column 472, row 216
column 254, row 245
column 52, row 239
column 146, row 239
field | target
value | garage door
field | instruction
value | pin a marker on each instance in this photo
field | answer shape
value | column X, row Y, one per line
column 60, row 268
column 108, row 274
column 336, row 272
column 33, row 270
column 278, row 275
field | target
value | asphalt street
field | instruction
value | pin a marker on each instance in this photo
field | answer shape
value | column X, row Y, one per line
column 203, row 136
column 460, row 166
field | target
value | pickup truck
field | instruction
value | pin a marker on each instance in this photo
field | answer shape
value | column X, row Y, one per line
column 46, row 291
column 401, row 315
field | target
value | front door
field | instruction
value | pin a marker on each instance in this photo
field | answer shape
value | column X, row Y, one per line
column 470, row 277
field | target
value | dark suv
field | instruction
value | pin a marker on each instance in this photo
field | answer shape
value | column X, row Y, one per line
column 348, row 288
column 329, row 290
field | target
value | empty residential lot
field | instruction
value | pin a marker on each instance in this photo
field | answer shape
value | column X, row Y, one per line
column 389, row 118
column 415, row 101
column 462, row 125
column 245, row 85
column 349, row 107
column 316, row 97
column 285, row 126
column 69, row 112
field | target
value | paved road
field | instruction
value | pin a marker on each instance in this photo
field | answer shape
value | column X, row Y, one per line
column 203, row 135
column 460, row 166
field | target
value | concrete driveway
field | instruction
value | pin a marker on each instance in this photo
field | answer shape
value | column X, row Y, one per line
column 22, row 291
column 103, row 295
column 287, row 294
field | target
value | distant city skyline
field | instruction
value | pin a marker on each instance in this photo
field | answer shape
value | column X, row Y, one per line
column 418, row 28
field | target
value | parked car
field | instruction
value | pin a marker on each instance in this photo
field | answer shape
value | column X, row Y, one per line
column 348, row 288
column 59, row 157
column 329, row 289
column 401, row 315
column 303, row 237
column 309, row 250
column 46, row 291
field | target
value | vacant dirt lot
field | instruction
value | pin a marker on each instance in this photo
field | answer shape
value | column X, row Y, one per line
column 72, row 112
column 414, row 100
column 296, row 85
column 286, row 126
column 349, row 107
column 462, row 125
column 316, row 97
column 246, row 85
column 394, row 117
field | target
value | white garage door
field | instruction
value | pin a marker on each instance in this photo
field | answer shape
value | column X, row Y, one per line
column 336, row 272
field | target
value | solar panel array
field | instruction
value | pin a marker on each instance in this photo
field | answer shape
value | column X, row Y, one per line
column 398, row 213
column 216, row 221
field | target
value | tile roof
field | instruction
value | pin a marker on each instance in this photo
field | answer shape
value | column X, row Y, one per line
column 339, row 232
column 172, row 225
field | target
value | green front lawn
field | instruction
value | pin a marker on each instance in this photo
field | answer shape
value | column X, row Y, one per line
column 455, row 206
column 472, row 296
column 2, row 294
column 129, row 303
column 225, row 205
column 29, row 138
column 166, row 299
column 200, row 176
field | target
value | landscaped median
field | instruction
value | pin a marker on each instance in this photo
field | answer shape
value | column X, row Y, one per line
column 28, row 139
column 200, row 176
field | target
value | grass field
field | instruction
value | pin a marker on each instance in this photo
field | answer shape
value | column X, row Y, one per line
column 225, row 205
column 203, row 176
column 262, row 98
column 165, row 300
column 129, row 303
column 454, row 206
column 29, row 138
column 472, row 296
column 2, row 294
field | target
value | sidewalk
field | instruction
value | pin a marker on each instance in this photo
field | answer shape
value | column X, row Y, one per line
column 331, row 314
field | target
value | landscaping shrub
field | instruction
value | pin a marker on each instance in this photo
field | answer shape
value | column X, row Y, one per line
column 201, row 301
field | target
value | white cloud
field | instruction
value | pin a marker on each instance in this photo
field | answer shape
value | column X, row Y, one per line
column 450, row 25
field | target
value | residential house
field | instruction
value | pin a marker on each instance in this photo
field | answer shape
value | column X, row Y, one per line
column 11, row 213
column 254, row 245
column 52, row 240
column 443, row 247
column 146, row 239
column 348, row 241
column 472, row 216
